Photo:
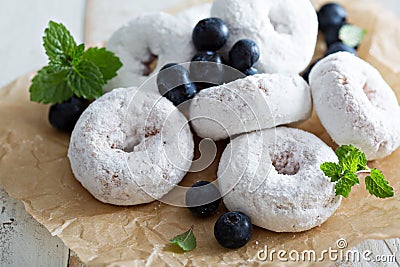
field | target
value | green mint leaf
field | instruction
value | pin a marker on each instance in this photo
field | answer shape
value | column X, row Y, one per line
column 105, row 60
column 332, row 170
column 77, row 54
column 58, row 43
column 49, row 86
column 351, row 158
column 377, row 185
column 351, row 35
column 186, row 241
column 344, row 185
column 86, row 80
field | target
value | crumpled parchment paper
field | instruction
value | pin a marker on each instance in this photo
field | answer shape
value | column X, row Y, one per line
column 34, row 168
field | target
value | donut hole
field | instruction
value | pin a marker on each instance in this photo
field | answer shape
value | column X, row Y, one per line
column 285, row 163
column 150, row 65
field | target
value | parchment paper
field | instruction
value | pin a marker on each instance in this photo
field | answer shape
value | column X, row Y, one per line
column 35, row 169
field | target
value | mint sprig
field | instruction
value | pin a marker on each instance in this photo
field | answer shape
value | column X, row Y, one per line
column 351, row 35
column 71, row 70
column 352, row 162
column 186, row 241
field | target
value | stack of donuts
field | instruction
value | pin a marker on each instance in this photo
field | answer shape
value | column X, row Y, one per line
column 133, row 146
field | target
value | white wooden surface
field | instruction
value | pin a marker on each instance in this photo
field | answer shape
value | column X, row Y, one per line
column 23, row 241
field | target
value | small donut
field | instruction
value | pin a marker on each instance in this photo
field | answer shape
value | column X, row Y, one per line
column 252, row 103
column 274, row 177
column 285, row 31
column 160, row 36
column 355, row 105
column 130, row 147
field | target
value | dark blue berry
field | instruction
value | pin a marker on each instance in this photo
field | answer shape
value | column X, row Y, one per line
column 64, row 116
column 251, row 71
column 244, row 54
column 203, row 199
column 205, row 74
column 306, row 73
column 339, row 46
column 331, row 15
column 233, row 229
column 174, row 83
column 210, row 34
column 332, row 35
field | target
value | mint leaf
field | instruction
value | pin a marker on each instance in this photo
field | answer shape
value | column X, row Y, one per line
column 71, row 70
column 86, row 80
column 344, row 185
column 49, row 86
column 105, row 60
column 58, row 43
column 186, row 241
column 351, row 158
column 351, row 35
column 377, row 185
column 332, row 170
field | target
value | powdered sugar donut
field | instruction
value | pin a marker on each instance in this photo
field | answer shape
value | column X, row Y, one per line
column 274, row 177
column 252, row 103
column 355, row 105
column 155, row 35
column 285, row 30
column 130, row 147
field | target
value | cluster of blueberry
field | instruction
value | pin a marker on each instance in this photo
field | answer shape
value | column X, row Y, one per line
column 232, row 229
column 209, row 36
column 331, row 18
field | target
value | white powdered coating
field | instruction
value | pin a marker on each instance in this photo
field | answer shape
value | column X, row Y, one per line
column 253, row 103
column 152, row 35
column 355, row 105
column 130, row 147
column 274, row 177
column 285, row 30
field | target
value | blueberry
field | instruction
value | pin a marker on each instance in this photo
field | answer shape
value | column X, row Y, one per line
column 244, row 54
column 207, row 75
column 203, row 199
column 339, row 46
column 331, row 15
column 306, row 73
column 65, row 115
column 233, row 229
column 250, row 71
column 210, row 34
column 332, row 35
column 174, row 83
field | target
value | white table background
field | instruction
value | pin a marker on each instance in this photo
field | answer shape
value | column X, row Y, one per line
column 23, row 241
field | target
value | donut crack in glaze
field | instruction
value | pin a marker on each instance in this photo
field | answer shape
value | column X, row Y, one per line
column 274, row 177
column 160, row 36
column 249, row 104
column 355, row 105
column 285, row 31
column 124, row 147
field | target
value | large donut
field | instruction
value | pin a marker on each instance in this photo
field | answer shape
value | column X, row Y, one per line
column 130, row 147
column 157, row 35
column 355, row 105
column 274, row 177
column 253, row 103
column 285, row 30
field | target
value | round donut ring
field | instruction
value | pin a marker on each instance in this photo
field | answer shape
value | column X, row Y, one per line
column 285, row 31
column 155, row 35
column 130, row 147
column 281, row 187
column 249, row 104
column 355, row 105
